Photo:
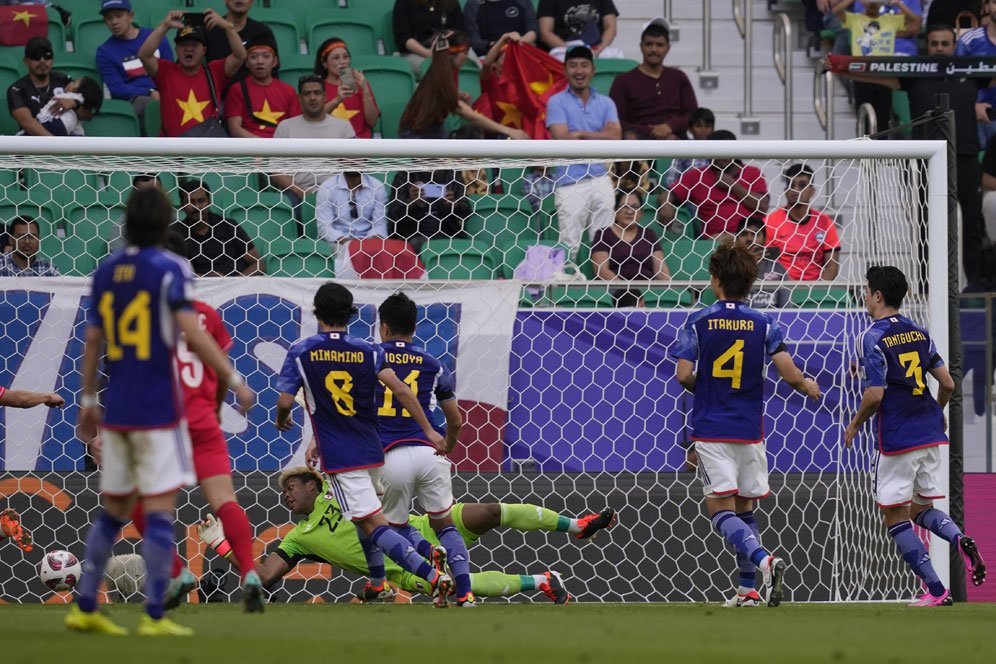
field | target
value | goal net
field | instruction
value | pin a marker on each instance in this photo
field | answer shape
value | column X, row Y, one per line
column 559, row 345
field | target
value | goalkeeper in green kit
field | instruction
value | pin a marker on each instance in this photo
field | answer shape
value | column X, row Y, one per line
column 323, row 536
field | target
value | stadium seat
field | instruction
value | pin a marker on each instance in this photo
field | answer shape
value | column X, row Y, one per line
column 498, row 220
column 72, row 256
column 120, row 183
column 77, row 65
column 230, row 190
column 582, row 296
column 393, row 83
column 89, row 32
column 688, row 260
column 56, row 34
column 819, row 297
column 60, row 188
column 669, row 297
column 95, row 217
column 17, row 203
column 284, row 26
column 459, row 259
column 153, row 118
column 116, row 118
column 9, row 72
column 302, row 257
column 707, row 297
column 606, row 70
column 295, row 65
column 268, row 217
column 360, row 36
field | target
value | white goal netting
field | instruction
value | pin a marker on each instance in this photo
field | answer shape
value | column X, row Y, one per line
column 559, row 340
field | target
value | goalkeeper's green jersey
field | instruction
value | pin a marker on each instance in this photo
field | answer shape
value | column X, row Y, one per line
column 324, row 536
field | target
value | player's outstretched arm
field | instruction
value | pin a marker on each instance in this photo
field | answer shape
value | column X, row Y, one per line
column 945, row 384
column 792, row 375
column 212, row 533
column 285, row 402
column 28, row 399
column 88, row 421
column 207, row 349
column 870, row 401
column 409, row 402
column 454, row 422
column 685, row 373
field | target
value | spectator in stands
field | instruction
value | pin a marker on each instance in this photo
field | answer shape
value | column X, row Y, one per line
column 989, row 189
column 654, row 101
column 627, row 251
column 351, row 206
column 255, row 105
column 427, row 206
column 351, row 100
column 313, row 123
column 23, row 259
column 753, row 238
column 962, row 92
column 879, row 29
column 474, row 180
column 960, row 14
column 487, row 21
column 215, row 246
column 61, row 121
column 724, row 193
column 584, row 191
column 982, row 41
column 117, row 58
column 806, row 238
column 537, row 184
column 140, row 181
column 416, row 24
column 631, row 175
column 701, row 124
column 219, row 46
column 563, row 23
column 437, row 96
column 28, row 95
column 189, row 89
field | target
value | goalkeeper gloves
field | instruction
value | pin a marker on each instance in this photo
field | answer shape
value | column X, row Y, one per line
column 10, row 526
column 212, row 533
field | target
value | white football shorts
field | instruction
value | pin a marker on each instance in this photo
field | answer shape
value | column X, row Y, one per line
column 356, row 491
column 152, row 462
column 416, row 471
column 910, row 476
column 733, row 469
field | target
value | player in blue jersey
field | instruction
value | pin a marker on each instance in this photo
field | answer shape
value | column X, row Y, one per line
column 413, row 467
column 729, row 341
column 896, row 352
column 340, row 374
column 139, row 304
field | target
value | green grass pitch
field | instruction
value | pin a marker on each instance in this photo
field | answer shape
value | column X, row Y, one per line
column 519, row 634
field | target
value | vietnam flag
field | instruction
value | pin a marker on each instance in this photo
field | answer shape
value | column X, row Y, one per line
column 517, row 96
column 19, row 23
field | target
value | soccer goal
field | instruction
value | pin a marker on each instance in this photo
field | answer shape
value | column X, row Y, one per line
column 564, row 379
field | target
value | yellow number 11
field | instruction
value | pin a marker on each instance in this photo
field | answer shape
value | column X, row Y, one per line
column 388, row 409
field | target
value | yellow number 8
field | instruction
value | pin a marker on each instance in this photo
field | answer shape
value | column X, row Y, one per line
column 736, row 354
column 340, row 384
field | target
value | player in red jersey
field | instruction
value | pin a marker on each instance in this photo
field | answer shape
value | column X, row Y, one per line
column 202, row 396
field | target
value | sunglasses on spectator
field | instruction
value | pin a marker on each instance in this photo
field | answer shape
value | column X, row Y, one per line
column 44, row 55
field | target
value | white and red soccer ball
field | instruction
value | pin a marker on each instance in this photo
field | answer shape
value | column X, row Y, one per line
column 60, row 570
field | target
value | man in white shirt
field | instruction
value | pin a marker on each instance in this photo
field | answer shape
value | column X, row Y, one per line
column 350, row 206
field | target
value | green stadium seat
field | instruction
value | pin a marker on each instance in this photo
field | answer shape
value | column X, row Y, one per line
column 267, row 217
column 688, row 260
column 284, row 26
column 359, row 35
column 606, row 70
column 669, row 297
column 72, row 256
column 499, row 220
column 10, row 177
column 707, row 297
column 459, row 259
column 116, row 118
column 581, row 296
column 302, row 257
column 822, row 297
column 60, row 188
column 56, row 34
column 78, row 65
column 17, row 203
column 89, row 32
column 99, row 216
column 229, row 190
column 295, row 65
column 393, row 84
column 9, row 72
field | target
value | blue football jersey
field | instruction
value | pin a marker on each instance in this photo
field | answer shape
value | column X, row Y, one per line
column 428, row 378
column 896, row 355
column 728, row 341
column 339, row 376
column 134, row 296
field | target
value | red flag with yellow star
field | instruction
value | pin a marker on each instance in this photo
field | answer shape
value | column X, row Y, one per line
column 19, row 23
column 517, row 96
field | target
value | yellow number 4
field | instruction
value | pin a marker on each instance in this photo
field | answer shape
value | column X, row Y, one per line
column 388, row 409
column 340, row 384
column 914, row 370
column 734, row 353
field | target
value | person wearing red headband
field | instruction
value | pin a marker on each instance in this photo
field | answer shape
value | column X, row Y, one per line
column 255, row 105
column 350, row 100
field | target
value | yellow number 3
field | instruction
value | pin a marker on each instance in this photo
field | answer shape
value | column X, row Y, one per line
column 736, row 354
column 340, row 384
column 914, row 370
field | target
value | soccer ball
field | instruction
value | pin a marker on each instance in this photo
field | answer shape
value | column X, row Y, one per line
column 60, row 570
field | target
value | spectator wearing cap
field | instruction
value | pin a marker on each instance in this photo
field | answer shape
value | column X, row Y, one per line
column 312, row 123
column 256, row 104
column 28, row 95
column 724, row 193
column 805, row 237
column 351, row 100
column 487, row 21
column 249, row 29
column 654, row 101
column 564, row 23
column 416, row 24
column 190, row 90
column 117, row 58
column 583, row 192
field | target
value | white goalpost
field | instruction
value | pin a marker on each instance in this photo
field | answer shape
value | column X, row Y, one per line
column 565, row 380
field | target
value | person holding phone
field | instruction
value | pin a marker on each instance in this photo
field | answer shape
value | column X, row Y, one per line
column 348, row 94
column 428, row 206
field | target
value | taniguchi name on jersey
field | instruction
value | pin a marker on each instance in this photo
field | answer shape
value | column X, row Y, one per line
column 903, row 338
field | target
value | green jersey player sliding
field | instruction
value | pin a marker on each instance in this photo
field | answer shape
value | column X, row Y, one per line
column 322, row 536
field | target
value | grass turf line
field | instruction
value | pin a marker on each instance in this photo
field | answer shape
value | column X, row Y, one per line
column 519, row 633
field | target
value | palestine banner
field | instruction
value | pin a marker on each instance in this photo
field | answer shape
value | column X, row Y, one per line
column 918, row 67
